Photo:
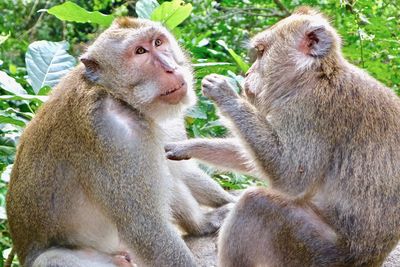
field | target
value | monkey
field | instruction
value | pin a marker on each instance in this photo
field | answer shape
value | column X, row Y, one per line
column 90, row 185
column 326, row 136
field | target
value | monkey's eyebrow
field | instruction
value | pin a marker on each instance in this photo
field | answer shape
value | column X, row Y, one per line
column 255, row 43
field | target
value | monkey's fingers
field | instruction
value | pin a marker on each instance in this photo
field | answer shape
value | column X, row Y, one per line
column 216, row 87
column 215, row 77
column 209, row 90
column 172, row 156
column 172, row 153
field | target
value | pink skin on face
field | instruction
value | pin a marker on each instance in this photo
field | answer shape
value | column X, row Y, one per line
column 155, row 58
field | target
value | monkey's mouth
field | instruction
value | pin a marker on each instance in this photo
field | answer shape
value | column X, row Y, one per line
column 174, row 95
column 173, row 90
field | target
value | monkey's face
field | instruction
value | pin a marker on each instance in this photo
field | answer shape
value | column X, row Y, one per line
column 288, row 51
column 142, row 64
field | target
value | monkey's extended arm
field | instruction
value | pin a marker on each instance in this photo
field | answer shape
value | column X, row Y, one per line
column 253, row 128
column 227, row 153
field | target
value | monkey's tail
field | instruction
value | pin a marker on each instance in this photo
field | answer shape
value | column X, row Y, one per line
column 10, row 258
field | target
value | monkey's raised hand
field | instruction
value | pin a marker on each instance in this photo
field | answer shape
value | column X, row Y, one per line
column 217, row 88
column 176, row 151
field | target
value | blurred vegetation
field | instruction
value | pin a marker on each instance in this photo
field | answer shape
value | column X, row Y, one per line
column 215, row 35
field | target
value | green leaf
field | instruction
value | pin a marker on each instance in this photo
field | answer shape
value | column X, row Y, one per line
column 5, row 175
column 11, row 118
column 45, row 90
column 144, row 8
column 196, row 113
column 172, row 13
column 47, row 62
column 10, row 85
column 3, row 38
column 7, row 150
column 239, row 61
column 35, row 98
column 72, row 12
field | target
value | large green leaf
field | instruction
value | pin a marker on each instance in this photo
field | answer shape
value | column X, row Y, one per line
column 72, row 12
column 172, row 13
column 47, row 62
column 144, row 8
column 10, row 85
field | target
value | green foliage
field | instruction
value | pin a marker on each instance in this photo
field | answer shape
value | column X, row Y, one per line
column 213, row 32
column 9, row 84
column 47, row 62
column 72, row 12
column 239, row 61
column 144, row 8
column 171, row 14
column 3, row 38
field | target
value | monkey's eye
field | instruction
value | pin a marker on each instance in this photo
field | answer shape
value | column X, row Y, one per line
column 158, row 42
column 260, row 49
column 140, row 50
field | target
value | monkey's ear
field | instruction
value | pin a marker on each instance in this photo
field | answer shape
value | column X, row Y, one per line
column 92, row 68
column 316, row 42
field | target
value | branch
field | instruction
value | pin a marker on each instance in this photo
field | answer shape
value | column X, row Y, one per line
column 282, row 7
column 248, row 11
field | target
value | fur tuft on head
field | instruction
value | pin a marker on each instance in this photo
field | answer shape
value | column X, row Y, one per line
column 305, row 10
column 128, row 22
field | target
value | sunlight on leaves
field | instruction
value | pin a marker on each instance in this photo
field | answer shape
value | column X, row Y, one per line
column 173, row 13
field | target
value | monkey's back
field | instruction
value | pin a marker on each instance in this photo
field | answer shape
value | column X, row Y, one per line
column 43, row 175
column 365, row 127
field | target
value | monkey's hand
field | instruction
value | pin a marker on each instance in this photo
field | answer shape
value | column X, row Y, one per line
column 217, row 88
column 176, row 151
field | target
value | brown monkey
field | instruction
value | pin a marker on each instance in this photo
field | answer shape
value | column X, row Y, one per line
column 327, row 136
column 90, row 185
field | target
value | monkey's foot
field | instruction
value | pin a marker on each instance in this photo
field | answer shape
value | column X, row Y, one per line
column 123, row 259
column 214, row 219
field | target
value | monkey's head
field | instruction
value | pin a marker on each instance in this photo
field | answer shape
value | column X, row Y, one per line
column 141, row 63
column 295, row 47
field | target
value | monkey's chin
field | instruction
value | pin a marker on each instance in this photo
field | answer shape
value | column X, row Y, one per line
column 174, row 96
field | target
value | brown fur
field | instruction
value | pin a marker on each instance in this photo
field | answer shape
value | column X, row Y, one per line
column 126, row 22
column 90, row 182
column 326, row 136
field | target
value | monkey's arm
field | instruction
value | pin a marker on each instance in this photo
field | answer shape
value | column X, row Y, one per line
column 251, row 126
column 227, row 153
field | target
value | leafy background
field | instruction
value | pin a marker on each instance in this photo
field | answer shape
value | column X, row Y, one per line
column 36, row 34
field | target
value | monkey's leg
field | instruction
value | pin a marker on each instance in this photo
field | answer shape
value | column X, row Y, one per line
column 267, row 229
column 60, row 257
column 188, row 214
column 227, row 154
